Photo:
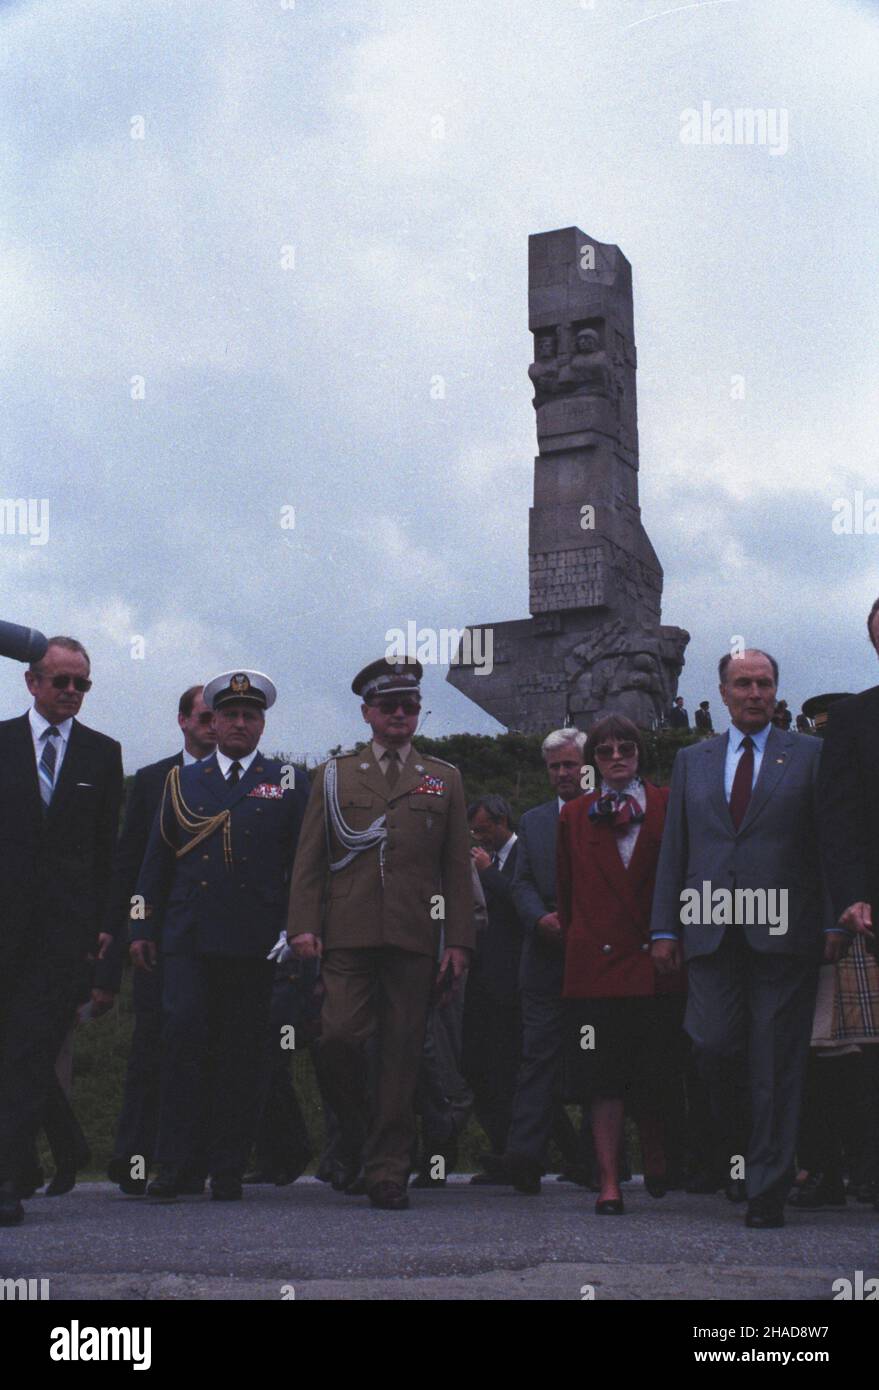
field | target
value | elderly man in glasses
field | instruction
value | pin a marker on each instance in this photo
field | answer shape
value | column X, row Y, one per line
column 60, row 790
column 381, row 889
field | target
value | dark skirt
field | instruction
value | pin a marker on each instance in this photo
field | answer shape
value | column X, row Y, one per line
column 635, row 1051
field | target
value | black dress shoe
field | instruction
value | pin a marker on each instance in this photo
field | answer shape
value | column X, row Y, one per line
column 389, row 1196
column 226, row 1187
column 165, row 1186
column 610, row 1206
column 763, row 1215
column 656, row 1186
column 736, row 1190
column 29, row 1182
column 816, row 1192
column 581, row 1177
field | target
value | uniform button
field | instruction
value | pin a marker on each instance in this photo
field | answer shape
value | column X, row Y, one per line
column 204, row 883
column 645, row 946
column 606, row 950
column 244, row 858
column 205, row 856
column 247, row 832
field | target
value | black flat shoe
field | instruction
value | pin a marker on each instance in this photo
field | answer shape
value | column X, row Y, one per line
column 611, row 1206
column 764, row 1216
column 165, row 1186
column 226, row 1187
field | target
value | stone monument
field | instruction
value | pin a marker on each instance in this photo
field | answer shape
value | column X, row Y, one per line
column 595, row 641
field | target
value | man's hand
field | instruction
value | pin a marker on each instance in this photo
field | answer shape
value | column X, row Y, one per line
column 550, row 928
column 102, row 1001
column 481, row 858
column 105, row 941
column 836, row 945
column 858, row 918
column 666, row 956
column 306, row 946
column 455, row 960
column 143, row 954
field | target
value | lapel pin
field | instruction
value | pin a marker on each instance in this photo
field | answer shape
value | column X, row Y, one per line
column 418, row 767
column 779, row 760
column 364, row 767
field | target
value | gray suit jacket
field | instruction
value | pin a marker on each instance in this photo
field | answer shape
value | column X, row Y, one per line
column 542, row 964
column 775, row 847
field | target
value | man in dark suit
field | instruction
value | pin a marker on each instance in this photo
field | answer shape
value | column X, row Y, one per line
column 537, row 1111
column 213, row 891
column 848, row 787
column 492, row 1023
column 60, row 791
column 136, row 1130
column 738, row 887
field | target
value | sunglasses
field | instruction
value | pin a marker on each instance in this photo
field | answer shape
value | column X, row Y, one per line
column 80, row 683
column 625, row 749
column 391, row 706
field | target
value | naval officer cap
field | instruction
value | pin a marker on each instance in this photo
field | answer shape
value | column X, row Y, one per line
column 385, row 677
column 240, row 685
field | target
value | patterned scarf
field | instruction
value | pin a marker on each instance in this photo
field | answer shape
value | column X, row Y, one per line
column 620, row 810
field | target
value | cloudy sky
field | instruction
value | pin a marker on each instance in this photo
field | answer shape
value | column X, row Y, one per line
column 243, row 237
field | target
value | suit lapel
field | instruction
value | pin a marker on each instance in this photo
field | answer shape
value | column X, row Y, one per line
column 370, row 775
column 713, row 764
column 775, row 762
column 248, row 780
column 23, row 768
column 409, row 776
column 643, row 860
column 607, row 856
column 210, row 780
column 75, row 768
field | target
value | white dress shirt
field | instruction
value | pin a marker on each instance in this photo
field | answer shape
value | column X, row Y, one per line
column 504, row 850
column 734, row 752
column 39, row 725
column 225, row 763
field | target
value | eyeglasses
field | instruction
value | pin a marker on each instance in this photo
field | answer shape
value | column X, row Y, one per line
column 390, row 706
column 80, row 683
column 625, row 749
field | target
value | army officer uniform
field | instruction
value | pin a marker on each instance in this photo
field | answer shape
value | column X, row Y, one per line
column 380, row 918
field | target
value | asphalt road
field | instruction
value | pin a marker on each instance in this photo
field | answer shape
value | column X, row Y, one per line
column 307, row 1242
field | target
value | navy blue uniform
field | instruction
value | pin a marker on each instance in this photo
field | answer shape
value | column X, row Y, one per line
column 216, row 910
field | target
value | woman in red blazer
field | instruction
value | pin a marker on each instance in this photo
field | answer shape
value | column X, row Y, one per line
column 628, row 1017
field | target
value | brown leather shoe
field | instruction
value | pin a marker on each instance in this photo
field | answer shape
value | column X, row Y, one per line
column 390, row 1196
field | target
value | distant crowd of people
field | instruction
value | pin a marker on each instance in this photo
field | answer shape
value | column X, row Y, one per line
column 699, row 958
column 678, row 717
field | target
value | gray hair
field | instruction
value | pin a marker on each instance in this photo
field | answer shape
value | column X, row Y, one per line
column 723, row 663
column 561, row 738
column 68, row 644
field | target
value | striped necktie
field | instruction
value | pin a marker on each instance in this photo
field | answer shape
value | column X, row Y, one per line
column 48, row 760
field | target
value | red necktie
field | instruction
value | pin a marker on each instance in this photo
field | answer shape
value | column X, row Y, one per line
column 741, row 787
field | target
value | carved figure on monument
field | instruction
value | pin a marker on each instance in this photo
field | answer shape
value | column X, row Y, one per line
column 588, row 373
column 544, row 370
column 595, row 640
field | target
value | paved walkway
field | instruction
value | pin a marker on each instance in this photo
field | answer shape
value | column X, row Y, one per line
column 461, row 1243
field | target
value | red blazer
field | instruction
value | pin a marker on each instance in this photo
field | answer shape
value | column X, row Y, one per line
column 605, row 908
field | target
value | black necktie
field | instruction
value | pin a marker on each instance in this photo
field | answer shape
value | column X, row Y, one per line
column 234, row 774
column 393, row 762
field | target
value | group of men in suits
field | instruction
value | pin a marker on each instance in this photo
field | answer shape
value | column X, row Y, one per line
column 368, row 872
